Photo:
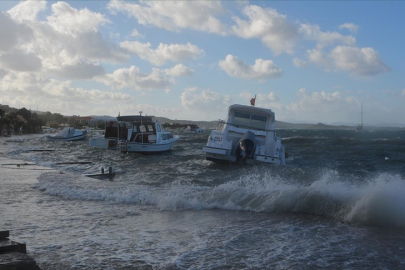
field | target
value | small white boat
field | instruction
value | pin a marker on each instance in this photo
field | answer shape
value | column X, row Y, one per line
column 146, row 135
column 193, row 128
column 68, row 134
column 247, row 135
column 115, row 131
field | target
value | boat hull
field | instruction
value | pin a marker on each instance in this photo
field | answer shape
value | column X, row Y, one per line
column 103, row 143
column 147, row 148
column 74, row 138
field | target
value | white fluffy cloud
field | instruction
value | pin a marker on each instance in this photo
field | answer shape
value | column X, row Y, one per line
column 204, row 100
column 12, row 33
column 164, row 52
column 275, row 31
column 313, row 32
column 179, row 70
column 350, row 26
column 323, row 106
column 21, row 89
column 134, row 79
column 68, row 20
column 358, row 61
column 174, row 15
column 269, row 101
column 345, row 56
column 262, row 69
column 299, row 62
column 20, row 61
column 27, row 10
column 67, row 44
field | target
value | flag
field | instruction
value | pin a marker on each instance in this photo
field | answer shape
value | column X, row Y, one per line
column 252, row 101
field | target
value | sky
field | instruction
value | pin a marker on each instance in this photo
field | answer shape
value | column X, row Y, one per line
column 308, row 61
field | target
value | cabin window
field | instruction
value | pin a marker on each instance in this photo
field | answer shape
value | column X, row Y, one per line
column 170, row 136
column 241, row 119
column 135, row 129
column 258, row 121
column 164, row 137
column 250, row 120
column 150, row 128
column 142, row 128
column 158, row 128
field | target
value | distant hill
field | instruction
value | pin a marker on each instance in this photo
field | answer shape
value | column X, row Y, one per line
column 279, row 124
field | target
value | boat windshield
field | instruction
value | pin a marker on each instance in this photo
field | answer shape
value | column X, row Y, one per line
column 249, row 120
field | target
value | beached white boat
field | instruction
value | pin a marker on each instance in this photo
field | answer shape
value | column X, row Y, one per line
column 247, row 135
column 68, row 134
column 146, row 135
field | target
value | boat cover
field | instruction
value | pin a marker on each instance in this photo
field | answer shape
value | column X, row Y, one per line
column 67, row 132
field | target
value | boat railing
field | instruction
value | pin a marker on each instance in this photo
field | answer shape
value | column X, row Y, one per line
column 221, row 124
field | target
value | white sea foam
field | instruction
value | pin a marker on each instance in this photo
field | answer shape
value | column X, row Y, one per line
column 380, row 201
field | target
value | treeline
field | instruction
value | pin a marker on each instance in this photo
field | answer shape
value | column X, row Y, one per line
column 24, row 121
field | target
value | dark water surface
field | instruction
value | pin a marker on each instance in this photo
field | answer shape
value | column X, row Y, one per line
column 339, row 203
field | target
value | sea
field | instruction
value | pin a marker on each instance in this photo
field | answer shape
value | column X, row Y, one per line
column 338, row 203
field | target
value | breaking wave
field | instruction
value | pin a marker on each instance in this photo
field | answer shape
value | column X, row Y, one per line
column 378, row 202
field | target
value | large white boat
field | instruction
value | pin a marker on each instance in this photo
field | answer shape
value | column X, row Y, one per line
column 135, row 133
column 68, row 134
column 247, row 135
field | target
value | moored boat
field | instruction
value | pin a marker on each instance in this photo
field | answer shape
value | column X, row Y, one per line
column 247, row 135
column 68, row 134
column 146, row 135
column 135, row 133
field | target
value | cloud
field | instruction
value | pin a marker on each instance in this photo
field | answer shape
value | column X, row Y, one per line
column 350, row 26
column 275, row 31
column 135, row 33
column 164, row 52
column 12, row 33
column 270, row 100
column 67, row 44
column 20, row 61
column 21, row 89
column 134, row 79
column 358, row 61
column 299, row 62
column 262, row 69
column 79, row 71
column 206, row 100
column 179, row 70
column 2, row 73
column 323, row 106
column 313, row 32
column 68, row 20
column 27, row 10
column 174, row 15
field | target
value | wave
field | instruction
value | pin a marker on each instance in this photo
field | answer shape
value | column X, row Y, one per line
column 378, row 202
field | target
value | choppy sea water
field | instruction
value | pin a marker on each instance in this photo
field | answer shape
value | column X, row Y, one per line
column 339, row 203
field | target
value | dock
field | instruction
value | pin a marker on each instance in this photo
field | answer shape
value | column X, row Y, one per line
column 13, row 255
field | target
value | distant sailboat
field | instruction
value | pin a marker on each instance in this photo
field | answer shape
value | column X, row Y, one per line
column 360, row 127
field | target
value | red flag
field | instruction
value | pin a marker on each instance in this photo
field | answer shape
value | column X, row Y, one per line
column 252, row 101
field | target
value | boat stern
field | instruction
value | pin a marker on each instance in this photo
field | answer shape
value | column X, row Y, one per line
column 218, row 148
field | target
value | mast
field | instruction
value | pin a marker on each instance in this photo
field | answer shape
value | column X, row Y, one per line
column 140, row 114
column 361, row 114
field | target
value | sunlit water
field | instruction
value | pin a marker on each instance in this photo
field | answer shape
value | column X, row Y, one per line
column 339, row 203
